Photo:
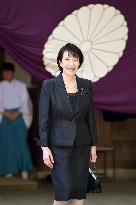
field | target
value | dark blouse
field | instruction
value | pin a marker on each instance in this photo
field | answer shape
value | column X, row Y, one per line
column 73, row 99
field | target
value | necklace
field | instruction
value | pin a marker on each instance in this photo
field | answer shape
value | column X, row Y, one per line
column 71, row 86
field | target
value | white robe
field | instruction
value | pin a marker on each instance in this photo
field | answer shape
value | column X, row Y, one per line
column 14, row 94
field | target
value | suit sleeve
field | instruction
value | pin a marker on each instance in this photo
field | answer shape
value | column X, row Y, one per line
column 91, row 119
column 44, row 107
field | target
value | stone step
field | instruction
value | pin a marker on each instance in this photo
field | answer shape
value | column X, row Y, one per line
column 17, row 183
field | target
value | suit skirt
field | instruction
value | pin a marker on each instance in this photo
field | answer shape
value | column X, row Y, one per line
column 70, row 171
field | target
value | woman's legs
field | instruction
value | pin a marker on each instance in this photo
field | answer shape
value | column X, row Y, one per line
column 78, row 201
column 60, row 202
column 73, row 202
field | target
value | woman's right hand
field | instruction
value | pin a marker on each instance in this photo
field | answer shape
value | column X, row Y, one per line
column 47, row 157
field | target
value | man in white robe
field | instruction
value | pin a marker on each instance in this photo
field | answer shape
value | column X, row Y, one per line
column 15, row 120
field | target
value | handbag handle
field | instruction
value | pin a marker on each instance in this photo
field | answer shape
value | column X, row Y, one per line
column 93, row 167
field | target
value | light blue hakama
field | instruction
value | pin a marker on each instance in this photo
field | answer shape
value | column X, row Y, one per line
column 14, row 151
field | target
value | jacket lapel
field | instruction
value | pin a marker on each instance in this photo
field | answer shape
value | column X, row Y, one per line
column 61, row 90
column 79, row 85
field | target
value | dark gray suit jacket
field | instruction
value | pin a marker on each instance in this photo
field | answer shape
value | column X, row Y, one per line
column 58, row 123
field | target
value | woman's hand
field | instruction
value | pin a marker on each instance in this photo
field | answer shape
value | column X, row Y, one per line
column 47, row 157
column 93, row 155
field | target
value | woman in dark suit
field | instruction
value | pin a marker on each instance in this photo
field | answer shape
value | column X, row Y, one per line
column 67, row 127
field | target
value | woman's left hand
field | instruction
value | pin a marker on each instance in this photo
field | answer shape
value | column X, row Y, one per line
column 93, row 155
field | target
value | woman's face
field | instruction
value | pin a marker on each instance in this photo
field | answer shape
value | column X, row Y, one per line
column 69, row 63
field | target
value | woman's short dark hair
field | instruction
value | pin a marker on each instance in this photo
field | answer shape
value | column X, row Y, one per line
column 73, row 50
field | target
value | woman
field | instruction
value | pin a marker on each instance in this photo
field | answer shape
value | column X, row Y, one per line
column 67, row 128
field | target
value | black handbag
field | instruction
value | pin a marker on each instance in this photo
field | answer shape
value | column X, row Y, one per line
column 94, row 185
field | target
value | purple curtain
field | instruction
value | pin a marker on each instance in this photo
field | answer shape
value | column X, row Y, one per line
column 25, row 26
